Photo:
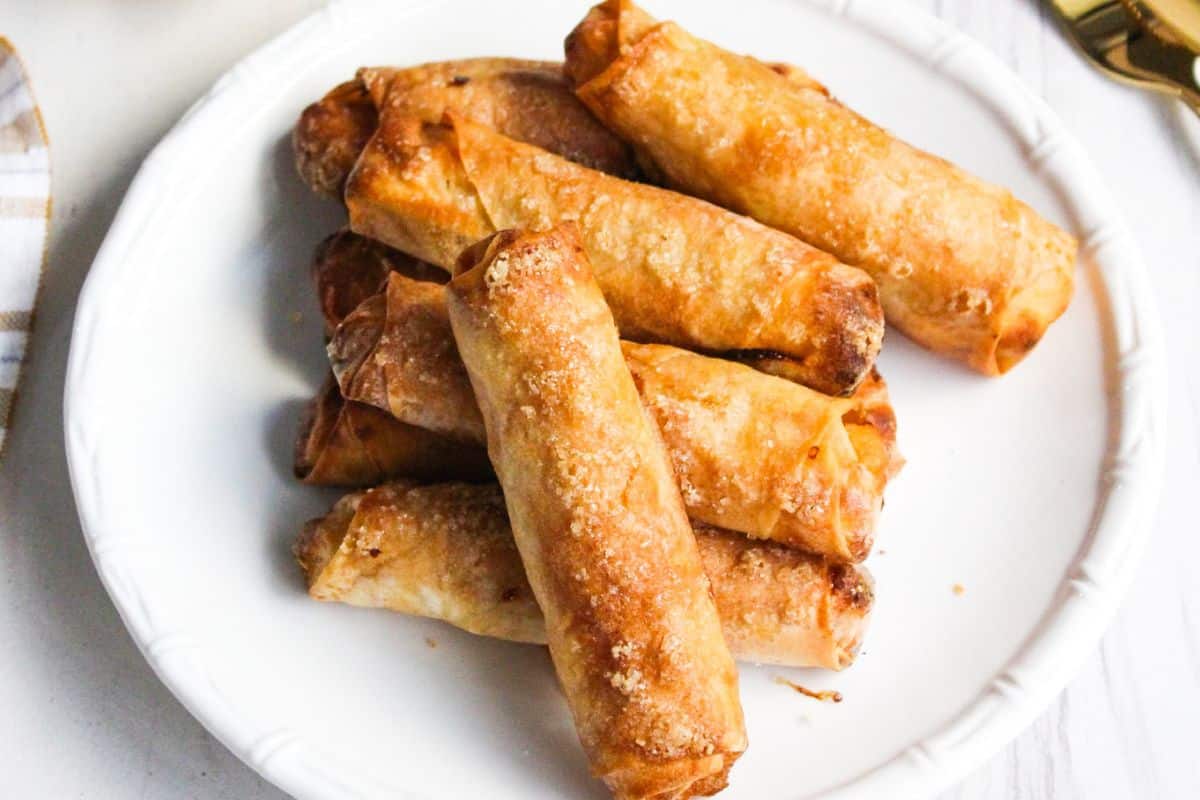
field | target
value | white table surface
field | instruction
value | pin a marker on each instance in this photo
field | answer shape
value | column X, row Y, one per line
column 81, row 714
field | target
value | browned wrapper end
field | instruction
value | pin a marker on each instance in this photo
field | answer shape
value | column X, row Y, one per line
column 320, row 538
column 1031, row 311
column 395, row 352
column 871, row 424
column 348, row 268
column 598, row 40
column 850, row 314
column 851, row 598
column 414, row 165
column 343, row 443
column 330, row 134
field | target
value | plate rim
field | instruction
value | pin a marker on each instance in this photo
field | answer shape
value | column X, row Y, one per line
column 1091, row 589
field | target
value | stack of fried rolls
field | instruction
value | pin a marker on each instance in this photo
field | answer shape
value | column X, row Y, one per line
column 602, row 339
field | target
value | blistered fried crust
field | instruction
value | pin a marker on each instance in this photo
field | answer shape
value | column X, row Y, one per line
column 674, row 269
column 446, row 552
column 353, row 444
column 751, row 452
column 527, row 100
column 348, row 268
column 963, row 267
column 597, row 518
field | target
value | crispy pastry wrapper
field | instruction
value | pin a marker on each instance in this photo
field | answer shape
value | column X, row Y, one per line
column 674, row 269
column 963, row 267
column 527, row 100
column 751, row 452
column 598, row 521
column 330, row 134
column 396, row 352
column 446, row 551
column 347, row 269
column 343, row 443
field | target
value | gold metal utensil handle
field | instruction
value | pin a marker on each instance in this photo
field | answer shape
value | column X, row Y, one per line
column 1130, row 41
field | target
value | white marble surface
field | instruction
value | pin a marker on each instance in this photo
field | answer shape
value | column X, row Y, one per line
column 81, row 714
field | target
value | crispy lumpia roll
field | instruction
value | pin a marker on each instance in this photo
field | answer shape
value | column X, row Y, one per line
column 527, row 100
column 674, row 269
column 348, row 268
column 598, row 521
column 963, row 267
column 751, row 452
column 344, row 443
column 446, row 551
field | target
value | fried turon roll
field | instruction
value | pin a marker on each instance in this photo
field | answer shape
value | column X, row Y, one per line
column 597, row 519
column 674, row 269
column 751, row 452
column 446, row 551
column 527, row 100
column 963, row 267
column 343, row 443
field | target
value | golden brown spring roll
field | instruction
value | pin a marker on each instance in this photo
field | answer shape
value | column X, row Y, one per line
column 598, row 521
column 963, row 267
column 527, row 100
column 752, row 453
column 674, row 269
column 446, row 551
column 348, row 268
column 344, row 443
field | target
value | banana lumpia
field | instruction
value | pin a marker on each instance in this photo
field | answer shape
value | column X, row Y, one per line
column 446, row 551
column 630, row 621
column 963, row 267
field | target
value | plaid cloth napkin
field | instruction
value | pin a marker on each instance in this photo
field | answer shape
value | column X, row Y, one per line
column 24, row 219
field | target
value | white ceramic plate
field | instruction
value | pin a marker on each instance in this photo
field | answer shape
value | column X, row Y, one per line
column 188, row 369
